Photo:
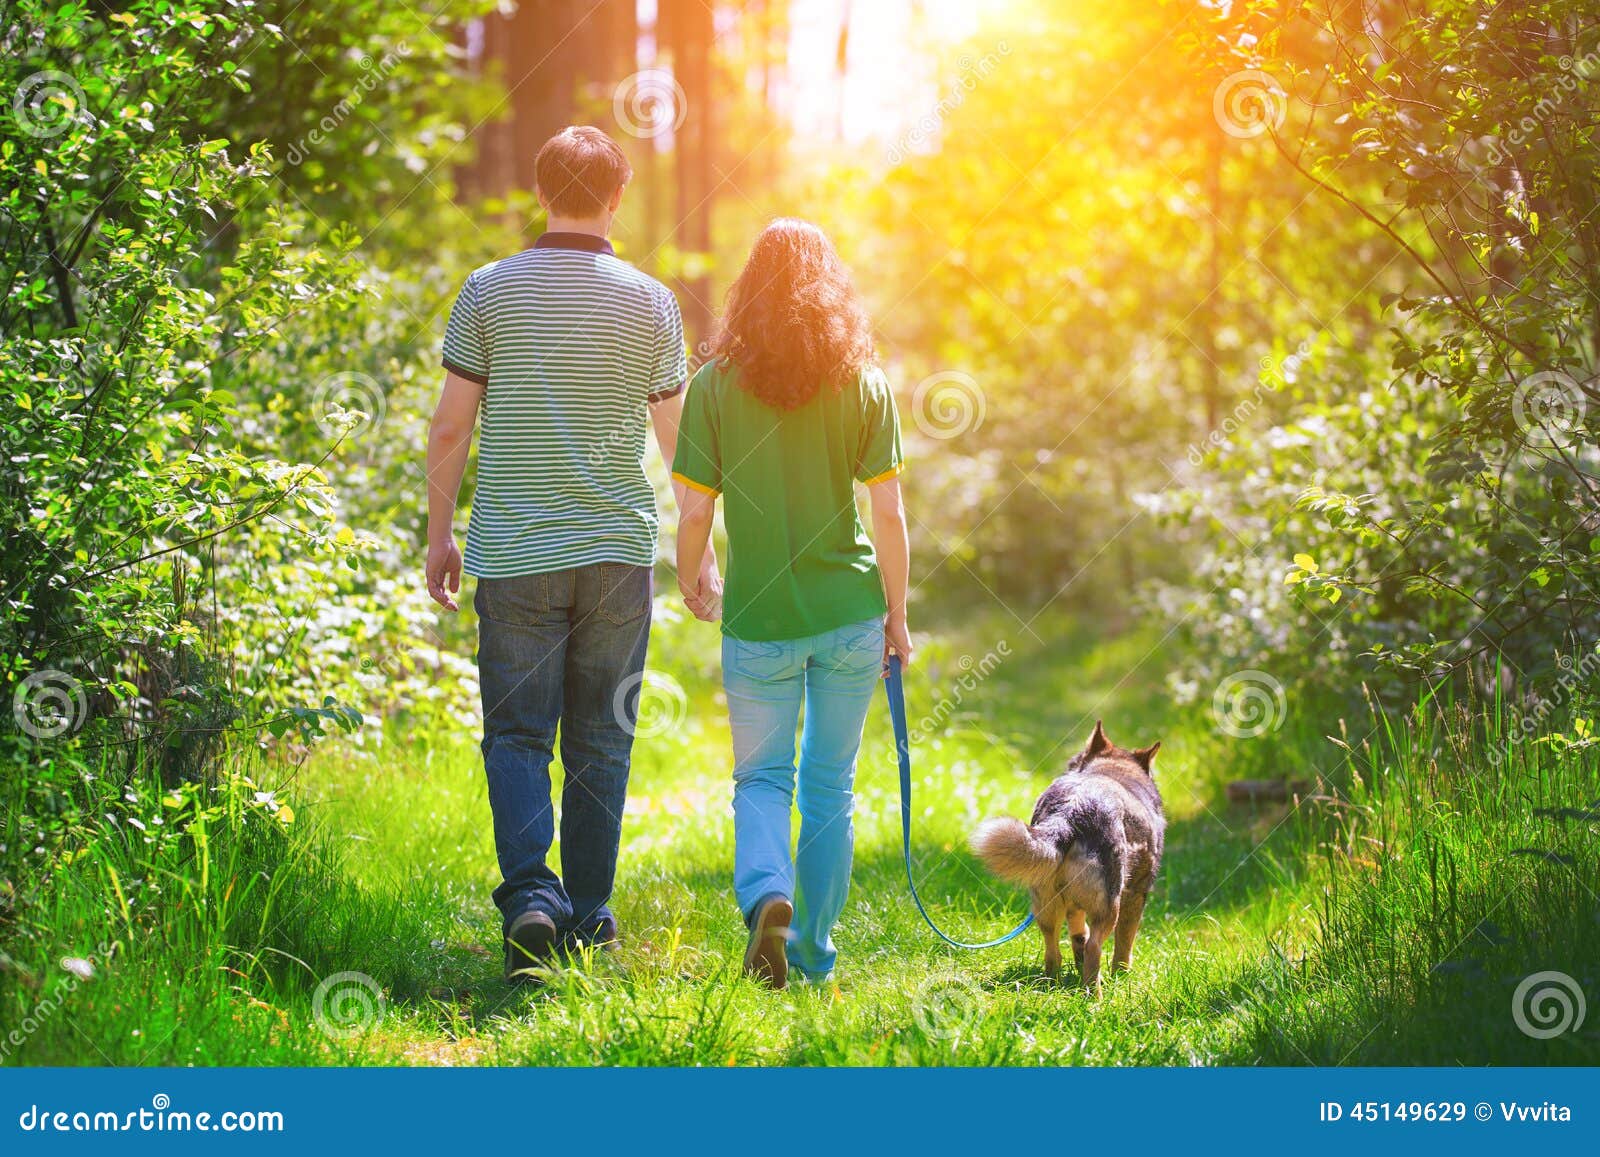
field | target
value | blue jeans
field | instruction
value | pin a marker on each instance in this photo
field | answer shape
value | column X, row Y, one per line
column 833, row 676
column 566, row 647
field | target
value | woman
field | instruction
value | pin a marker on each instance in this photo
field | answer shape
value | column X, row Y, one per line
column 785, row 418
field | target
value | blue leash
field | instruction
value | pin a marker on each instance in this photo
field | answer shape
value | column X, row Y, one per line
column 895, row 687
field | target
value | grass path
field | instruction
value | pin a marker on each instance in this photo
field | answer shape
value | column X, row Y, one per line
column 1232, row 905
column 1393, row 918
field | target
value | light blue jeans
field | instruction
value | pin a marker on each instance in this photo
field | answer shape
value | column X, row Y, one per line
column 832, row 676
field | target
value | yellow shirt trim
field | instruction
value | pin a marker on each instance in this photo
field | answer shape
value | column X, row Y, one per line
column 885, row 476
column 693, row 485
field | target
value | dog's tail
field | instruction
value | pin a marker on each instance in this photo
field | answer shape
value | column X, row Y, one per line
column 1011, row 850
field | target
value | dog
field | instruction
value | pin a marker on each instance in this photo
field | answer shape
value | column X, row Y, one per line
column 1089, row 856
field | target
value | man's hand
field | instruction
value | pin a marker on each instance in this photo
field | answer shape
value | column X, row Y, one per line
column 896, row 641
column 710, row 590
column 702, row 593
column 444, row 573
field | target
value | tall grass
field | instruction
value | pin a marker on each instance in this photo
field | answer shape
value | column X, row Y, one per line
column 1386, row 915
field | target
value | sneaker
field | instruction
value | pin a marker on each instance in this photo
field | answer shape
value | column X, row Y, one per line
column 530, row 942
column 766, row 957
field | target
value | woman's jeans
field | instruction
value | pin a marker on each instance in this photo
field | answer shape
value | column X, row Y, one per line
column 833, row 676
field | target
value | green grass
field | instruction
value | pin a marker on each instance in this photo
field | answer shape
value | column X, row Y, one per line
column 1387, row 919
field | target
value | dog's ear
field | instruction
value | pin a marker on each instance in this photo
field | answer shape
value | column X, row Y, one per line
column 1145, row 755
column 1098, row 743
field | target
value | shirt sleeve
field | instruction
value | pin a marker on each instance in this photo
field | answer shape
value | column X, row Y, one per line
column 464, row 350
column 671, row 364
column 698, row 461
column 879, row 458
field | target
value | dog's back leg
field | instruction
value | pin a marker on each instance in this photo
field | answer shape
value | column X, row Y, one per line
column 1098, row 931
column 1047, row 910
column 1132, row 911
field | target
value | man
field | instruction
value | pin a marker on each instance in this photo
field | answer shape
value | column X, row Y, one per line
column 565, row 349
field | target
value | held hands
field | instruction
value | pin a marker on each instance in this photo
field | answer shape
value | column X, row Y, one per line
column 896, row 641
column 444, row 572
column 704, row 598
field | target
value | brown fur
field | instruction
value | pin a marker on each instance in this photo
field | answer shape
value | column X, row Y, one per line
column 1090, row 856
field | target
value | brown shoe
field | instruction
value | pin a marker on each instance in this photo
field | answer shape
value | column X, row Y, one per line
column 530, row 942
column 767, row 957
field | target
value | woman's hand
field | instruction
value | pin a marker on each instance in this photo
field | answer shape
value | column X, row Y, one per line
column 703, row 596
column 897, row 641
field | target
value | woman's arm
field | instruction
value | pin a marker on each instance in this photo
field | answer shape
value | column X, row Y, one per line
column 893, row 547
column 665, row 417
column 697, row 579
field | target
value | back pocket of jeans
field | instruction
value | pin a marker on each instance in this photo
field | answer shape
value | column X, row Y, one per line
column 756, row 660
column 624, row 591
column 514, row 602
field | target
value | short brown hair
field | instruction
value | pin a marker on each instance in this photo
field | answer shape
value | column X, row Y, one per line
column 579, row 170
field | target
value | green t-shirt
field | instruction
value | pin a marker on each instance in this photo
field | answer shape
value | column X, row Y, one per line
column 799, row 562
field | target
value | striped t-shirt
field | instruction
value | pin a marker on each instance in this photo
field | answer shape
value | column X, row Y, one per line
column 571, row 345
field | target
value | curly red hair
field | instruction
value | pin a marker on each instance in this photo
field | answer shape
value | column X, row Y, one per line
column 793, row 321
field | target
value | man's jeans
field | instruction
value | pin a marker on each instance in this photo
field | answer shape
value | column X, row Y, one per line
column 833, row 675
column 566, row 647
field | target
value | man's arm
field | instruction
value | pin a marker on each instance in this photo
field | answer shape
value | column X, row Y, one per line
column 449, row 443
column 894, row 561
column 703, row 594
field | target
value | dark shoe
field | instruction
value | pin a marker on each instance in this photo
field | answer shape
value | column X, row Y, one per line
column 602, row 934
column 530, row 942
column 766, row 957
